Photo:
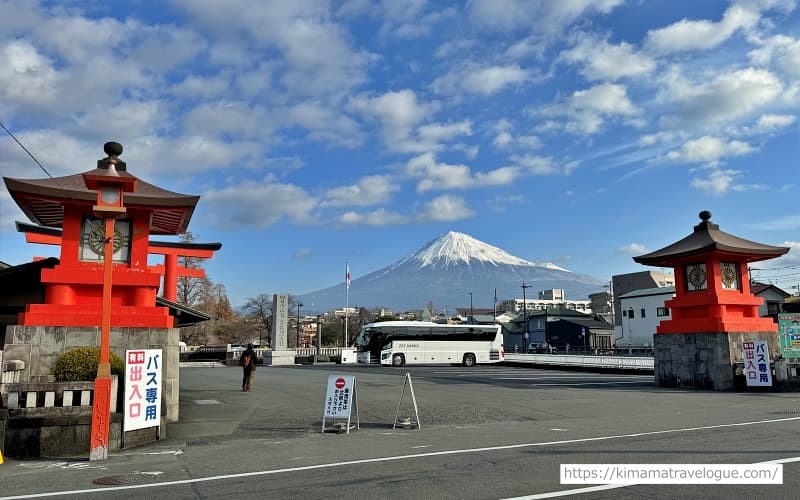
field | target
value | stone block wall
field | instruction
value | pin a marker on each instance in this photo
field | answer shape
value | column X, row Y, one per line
column 705, row 360
column 39, row 347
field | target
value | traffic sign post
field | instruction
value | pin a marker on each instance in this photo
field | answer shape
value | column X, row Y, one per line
column 340, row 398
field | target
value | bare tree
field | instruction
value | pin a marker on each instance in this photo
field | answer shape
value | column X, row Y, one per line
column 258, row 311
column 191, row 291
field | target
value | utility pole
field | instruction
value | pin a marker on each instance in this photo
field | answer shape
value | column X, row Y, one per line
column 525, row 316
column 494, row 310
column 471, row 315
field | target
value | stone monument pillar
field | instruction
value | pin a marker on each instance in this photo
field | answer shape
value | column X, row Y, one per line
column 280, row 354
column 714, row 312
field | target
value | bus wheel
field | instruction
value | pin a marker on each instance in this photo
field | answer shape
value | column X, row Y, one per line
column 398, row 360
column 469, row 360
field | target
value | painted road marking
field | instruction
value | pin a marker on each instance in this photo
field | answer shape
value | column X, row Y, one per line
column 410, row 457
column 206, row 402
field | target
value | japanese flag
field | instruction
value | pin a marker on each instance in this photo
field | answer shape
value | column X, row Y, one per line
column 347, row 277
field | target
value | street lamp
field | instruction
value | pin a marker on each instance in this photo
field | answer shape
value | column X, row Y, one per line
column 525, row 315
column 471, row 315
column 109, row 206
column 297, row 341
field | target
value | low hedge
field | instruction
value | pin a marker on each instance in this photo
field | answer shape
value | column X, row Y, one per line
column 81, row 365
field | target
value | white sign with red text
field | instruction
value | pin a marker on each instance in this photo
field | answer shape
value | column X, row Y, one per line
column 756, row 363
column 142, row 389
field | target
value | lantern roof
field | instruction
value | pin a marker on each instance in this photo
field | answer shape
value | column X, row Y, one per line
column 43, row 200
column 708, row 238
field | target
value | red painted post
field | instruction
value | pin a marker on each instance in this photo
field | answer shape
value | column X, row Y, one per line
column 101, row 408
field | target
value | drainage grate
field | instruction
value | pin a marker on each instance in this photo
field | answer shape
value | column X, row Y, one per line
column 121, row 480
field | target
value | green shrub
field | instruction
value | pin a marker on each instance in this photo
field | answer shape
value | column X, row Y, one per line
column 81, row 365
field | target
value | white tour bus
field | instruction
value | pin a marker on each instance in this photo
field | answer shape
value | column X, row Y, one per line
column 398, row 343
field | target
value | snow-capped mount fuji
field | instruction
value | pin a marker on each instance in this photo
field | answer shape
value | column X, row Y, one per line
column 445, row 271
column 455, row 248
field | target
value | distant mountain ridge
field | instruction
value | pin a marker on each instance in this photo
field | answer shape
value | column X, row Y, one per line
column 445, row 271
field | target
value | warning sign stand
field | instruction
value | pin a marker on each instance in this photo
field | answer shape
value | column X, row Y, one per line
column 340, row 398
column 406, row 421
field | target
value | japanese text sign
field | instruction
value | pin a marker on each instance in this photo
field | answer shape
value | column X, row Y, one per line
column 143, row 388
column 339, row 396
column 756, row 363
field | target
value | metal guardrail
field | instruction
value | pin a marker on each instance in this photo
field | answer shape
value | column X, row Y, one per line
column 614, row 362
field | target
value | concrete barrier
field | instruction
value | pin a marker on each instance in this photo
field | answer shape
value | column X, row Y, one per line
column 583, row 361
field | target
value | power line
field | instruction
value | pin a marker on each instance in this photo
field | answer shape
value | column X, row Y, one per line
column 25, row 149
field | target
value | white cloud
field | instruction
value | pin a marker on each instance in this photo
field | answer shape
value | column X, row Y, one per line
column 446, row 208
column 195, row 86
column 229, row 118
column 368, row 191
column 324, row 123
column 317, row 54
column 252, row 204
column 769, row 123
column 379, row 217
column 475, row 79
column 708, row 149
column 399, row 114
column 606, row 98
column 782, row 51
column 604, row 61
column 434, row 175
column 701, row 35
column 502, row 201
column 542, row 17
column 436, row 133
column 717, row 183
column 26, row 75
column 632, row 249
column 791, row 258
column 585, row 111
column 726, row 97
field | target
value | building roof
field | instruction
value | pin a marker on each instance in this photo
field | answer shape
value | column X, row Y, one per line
column 591, row 324
column 646, row 292
column 707, row 238
column 760, row 288
column 43, row 200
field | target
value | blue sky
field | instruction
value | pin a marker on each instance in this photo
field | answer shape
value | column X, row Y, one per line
column 578, row 132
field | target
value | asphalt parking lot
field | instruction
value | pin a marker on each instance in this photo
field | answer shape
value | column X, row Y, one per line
column 486, row 432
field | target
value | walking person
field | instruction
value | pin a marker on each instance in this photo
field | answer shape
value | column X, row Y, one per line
column 248, row 361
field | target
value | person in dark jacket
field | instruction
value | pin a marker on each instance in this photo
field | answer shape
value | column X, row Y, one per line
column 248, row 361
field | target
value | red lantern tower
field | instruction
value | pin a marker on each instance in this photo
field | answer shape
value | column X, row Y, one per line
column 102, row 220
column 74, row 288
column 713, row 311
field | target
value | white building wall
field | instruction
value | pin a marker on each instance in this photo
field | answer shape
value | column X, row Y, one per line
column 639, row 331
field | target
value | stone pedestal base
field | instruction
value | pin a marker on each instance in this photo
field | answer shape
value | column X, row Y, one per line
column 711, row 361
column 38, row 347
column 279, row 358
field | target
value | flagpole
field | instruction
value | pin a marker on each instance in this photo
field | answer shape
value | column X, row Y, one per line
column 346, row 301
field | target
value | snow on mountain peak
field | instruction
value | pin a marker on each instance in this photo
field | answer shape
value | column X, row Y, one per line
column 454, row 247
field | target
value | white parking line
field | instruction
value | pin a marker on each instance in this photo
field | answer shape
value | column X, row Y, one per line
column 414, row 456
